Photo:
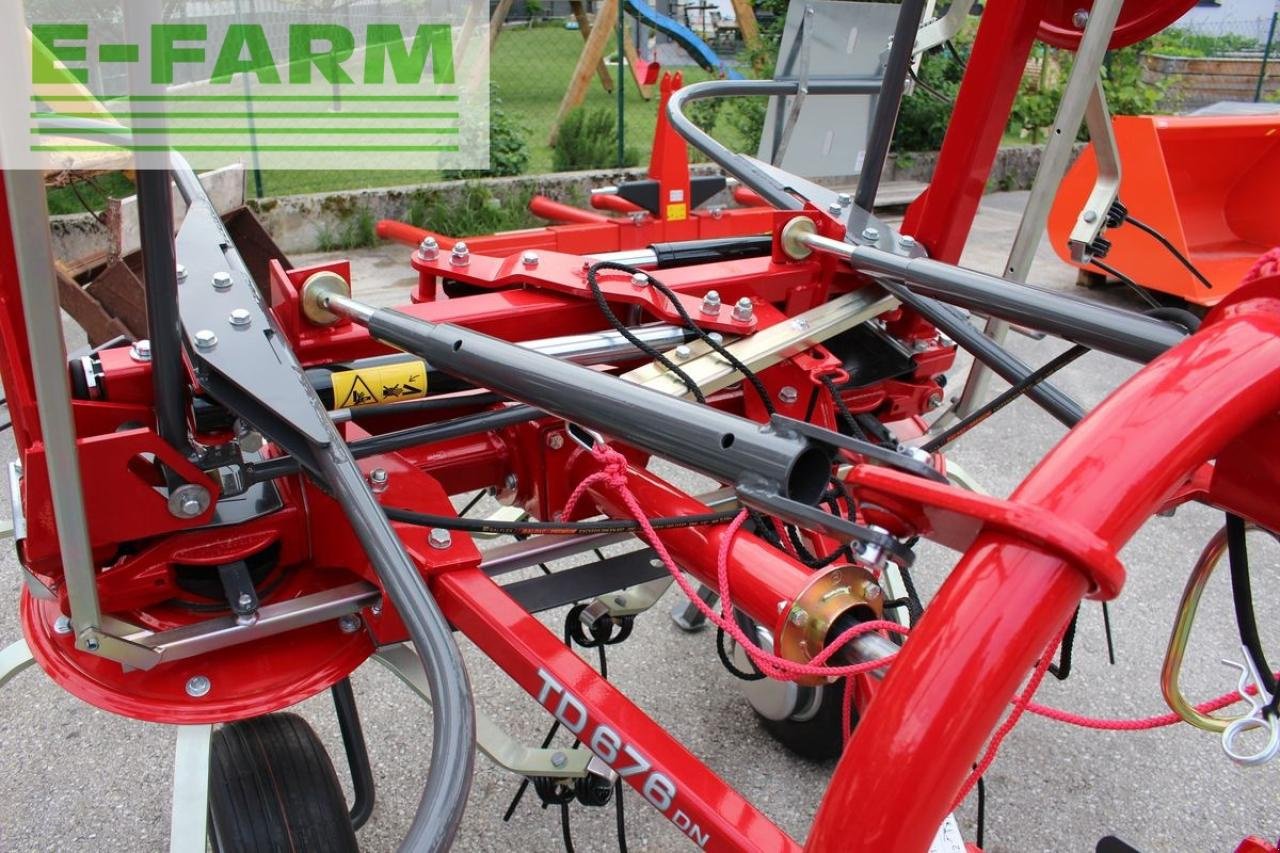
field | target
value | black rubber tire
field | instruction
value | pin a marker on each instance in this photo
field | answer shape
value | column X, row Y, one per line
column 818, row 738
column 273, row 788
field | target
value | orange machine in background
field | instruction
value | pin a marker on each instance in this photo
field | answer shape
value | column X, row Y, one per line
column 1210, row 184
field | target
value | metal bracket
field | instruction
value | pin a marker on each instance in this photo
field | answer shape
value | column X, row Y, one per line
column 942, row 29
column 492, row 740
column 1106, row 188
column 768, row 346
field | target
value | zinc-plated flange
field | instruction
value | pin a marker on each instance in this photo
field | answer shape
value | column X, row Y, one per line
column 313, row 292
column 803, row 629
column 792, row 234
column 189, row 500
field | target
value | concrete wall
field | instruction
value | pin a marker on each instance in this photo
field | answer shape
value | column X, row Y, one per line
column 302, row 223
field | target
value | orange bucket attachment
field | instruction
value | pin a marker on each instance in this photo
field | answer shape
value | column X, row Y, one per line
column 1210, row 184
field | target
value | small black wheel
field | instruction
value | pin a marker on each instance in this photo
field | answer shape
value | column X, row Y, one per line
column 273, row 788
column 806, row 720
column 813, row 733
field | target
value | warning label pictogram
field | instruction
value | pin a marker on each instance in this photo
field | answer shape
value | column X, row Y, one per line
column 405, row 380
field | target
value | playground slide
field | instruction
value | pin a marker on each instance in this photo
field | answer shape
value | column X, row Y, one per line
column 683, row 36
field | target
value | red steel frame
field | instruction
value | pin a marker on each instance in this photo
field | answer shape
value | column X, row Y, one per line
column 1027, row 563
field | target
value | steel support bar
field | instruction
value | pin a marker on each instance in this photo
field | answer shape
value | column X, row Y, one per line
column 888, row 102
column 720, row 445
column 1083, row 88
column 25, row 196
column 1099, row 327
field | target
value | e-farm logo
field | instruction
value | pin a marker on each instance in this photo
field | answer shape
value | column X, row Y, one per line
column 405, row 88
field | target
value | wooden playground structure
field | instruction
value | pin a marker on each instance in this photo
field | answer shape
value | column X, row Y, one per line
column 596, row 33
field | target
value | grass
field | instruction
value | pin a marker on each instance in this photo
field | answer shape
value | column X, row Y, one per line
column 531, row 68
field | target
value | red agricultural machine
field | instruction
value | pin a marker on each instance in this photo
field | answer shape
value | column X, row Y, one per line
column 231, row 516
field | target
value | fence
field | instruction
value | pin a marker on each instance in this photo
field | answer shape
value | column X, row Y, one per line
column 1204, row 60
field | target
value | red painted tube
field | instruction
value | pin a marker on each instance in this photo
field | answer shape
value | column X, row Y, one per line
column 748, row 197
column 616, row 203
column 1005, row 602
column 410, row 235
column 554, row 211
column 760, row 576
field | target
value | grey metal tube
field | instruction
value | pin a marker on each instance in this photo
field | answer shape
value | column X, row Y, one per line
column 164, row 326
column 453, row 722
column 1005, row 364
column 25, row 194
column 1123, row 333
column 889, row 102
column 723, row 446
column 742, row 168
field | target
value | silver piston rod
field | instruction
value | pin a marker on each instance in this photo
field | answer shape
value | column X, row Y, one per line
column 759, row 459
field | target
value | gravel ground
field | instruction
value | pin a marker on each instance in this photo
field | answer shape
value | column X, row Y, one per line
column 76, row 778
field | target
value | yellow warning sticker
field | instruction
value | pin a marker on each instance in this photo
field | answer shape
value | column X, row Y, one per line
column 387, row 383
column 677, row 212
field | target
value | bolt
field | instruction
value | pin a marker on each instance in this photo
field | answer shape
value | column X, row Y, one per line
column 1079, row 18
column 871, row 591
column 800, row 324
column 529, row 259
column 206, row 339
column 92, row 644
column 907, row 240
column 711, row 303
column 378, row 479
column 787, row 394
column 461, row 255
column 181, row 272
column 835, row 208
column 872, row 234
column 555, row 441
column 349, row 624
column 935, row 399
column 559, row 759
column 511, row 483
column 197, row 686
column 798, row 617
column 439, row 538
column 244, row 600
column 683, row 352
column 1090, row 216
column 188, row 500
column 717, row 212
column 62, row 625
column 639, row 280
column 222, row 280
column 744, row 309
column 140, row 350
column 240, row 318
column 716, row 338
column 844, row 199
column 429, row 249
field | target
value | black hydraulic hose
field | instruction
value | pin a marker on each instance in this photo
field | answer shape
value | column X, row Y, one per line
column 1242, row 599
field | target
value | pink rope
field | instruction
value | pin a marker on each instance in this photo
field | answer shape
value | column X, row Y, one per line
column 614, row 474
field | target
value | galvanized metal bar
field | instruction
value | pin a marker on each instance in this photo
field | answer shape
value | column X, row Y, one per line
column 1083, row 85
column 25, row 195
column 201, row 637
column 189, row 814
